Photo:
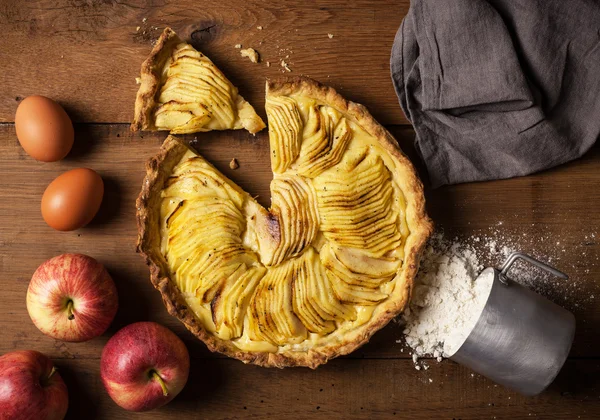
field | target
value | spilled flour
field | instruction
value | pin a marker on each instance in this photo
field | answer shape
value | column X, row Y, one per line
column 447, row 300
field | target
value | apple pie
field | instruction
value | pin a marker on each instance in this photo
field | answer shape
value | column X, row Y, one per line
column 182, row 91
column 313, row 277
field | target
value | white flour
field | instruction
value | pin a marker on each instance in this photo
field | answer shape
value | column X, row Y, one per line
column 447, row 301
column 470, row 312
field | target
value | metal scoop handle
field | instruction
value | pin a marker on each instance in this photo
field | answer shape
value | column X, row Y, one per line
column 519, row 255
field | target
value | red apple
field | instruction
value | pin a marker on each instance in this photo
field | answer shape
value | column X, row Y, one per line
column 144, row 366
column 72, row 298
column 31, row 387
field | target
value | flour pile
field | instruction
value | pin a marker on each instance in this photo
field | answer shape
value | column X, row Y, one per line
column 447, row 300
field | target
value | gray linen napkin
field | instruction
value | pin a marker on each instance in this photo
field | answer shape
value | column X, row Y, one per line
column 499, row 88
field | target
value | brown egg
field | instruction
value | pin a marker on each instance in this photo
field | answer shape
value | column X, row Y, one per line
column 43, row 128
column 72, row 200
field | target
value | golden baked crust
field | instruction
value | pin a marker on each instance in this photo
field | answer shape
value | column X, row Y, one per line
column 176, row 62
column 161, row 167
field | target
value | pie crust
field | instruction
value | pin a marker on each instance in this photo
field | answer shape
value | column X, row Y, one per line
column 314, row 348
column 182, row 91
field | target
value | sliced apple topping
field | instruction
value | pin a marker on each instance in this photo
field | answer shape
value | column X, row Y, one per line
column 325, row 139
column 181, row 118
column 204, row 230
column 285, row 131
column 271, row 315
column 195, row 177
column 230, row 304
column 358, row 268
column 218, row 220
column 315, row 302
column 357, row 295
column 205, row 246
column 356, row 276
column 191, row 78
column 355, row 206
column 182, row 91
column 294, row 212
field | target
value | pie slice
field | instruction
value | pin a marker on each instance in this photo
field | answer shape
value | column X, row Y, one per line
column 182, row 91
column 331, row 262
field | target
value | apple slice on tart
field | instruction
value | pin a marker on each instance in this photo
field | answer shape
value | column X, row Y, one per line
column 182, row 91
column 316, row 275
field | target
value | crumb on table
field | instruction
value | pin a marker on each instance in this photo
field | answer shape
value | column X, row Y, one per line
column 234, row 164
column 251, row 54
column 238, row 46
column 330, row 36
column 285, row 65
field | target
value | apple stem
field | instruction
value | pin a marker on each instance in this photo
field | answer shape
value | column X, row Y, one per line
column 44, row 382
column 154, row 374
column 70, row 313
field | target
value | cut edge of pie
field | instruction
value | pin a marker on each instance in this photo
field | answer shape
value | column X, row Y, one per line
column 151, row 82
column 161, row 166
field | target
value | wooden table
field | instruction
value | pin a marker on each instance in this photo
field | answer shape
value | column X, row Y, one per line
column 86, row 55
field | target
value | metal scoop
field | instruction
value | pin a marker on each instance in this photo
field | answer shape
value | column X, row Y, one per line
column 521, row 339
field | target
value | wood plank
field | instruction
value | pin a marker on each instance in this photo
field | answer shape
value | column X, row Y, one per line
column 358, row 389
column 549, row 201
column 86, row 55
